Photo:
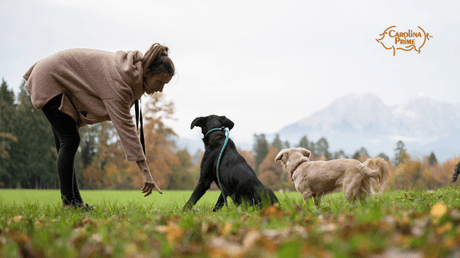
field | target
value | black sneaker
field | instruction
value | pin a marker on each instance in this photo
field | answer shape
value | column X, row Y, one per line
column 79, row 206
column 89, row 207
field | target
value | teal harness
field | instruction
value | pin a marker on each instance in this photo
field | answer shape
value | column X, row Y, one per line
column 227, row 133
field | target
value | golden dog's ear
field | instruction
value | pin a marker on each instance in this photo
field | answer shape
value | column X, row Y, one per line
column 281, row 155
column 305, row 152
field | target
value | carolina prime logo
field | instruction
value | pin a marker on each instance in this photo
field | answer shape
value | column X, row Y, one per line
column 406, row 40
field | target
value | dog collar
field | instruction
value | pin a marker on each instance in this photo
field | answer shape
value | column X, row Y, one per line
column 297, row 166
column 214, row 129
column 217, row 137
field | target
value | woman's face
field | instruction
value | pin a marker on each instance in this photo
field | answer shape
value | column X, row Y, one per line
column 156, row 82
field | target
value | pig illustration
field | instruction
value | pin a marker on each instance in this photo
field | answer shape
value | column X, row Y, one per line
column 405, row 40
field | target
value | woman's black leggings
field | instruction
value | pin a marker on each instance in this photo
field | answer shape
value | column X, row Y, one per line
column 67, row 140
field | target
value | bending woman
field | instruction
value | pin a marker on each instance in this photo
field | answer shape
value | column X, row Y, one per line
column 83, row 86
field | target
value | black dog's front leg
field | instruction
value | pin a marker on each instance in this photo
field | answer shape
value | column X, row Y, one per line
column 220, row 203
column 200, row 189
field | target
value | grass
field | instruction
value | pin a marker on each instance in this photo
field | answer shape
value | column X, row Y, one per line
column 99, row 197
column 125, row 224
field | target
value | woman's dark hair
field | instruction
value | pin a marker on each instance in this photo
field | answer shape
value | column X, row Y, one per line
column 156, row 60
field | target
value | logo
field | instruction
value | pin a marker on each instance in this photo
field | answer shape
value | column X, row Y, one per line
column 405, row 40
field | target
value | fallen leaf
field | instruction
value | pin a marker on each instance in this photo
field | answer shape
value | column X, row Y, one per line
column 85, row 221
column 208, row 227
column 447, row 227
column 174, row 233
column 17, row 218
column 251, row 238
column 226, row 230
column 24, row 243
column 408, row 197
column 273, row 211
column 438, row 210
column 220, row 247
column 327, row 227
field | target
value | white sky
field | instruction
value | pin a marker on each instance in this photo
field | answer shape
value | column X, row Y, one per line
column 263, row 64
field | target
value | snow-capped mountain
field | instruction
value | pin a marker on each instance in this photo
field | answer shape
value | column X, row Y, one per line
column 363, row 120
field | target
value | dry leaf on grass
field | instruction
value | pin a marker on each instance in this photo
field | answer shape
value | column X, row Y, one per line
column 273, row 211
column 438, row 210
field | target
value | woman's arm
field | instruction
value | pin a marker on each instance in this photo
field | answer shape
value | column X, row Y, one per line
column 149, row 183
column 120, row 115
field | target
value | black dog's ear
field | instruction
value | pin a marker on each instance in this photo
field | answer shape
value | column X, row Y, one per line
column 227, row 122
column 197, row 122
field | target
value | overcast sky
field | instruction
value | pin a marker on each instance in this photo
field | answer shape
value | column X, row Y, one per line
column 263, row 64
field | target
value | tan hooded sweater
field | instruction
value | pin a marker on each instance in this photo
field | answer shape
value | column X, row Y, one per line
column 101, row 85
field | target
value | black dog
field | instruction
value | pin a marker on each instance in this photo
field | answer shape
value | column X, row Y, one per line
column 237, row 179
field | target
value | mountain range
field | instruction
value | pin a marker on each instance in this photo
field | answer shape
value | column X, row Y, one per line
column 363, row 120
column 424, row 125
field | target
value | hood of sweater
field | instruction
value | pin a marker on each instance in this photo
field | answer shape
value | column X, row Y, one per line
column 129, row 66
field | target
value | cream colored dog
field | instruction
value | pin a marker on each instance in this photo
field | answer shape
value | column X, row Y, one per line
column 315, row 178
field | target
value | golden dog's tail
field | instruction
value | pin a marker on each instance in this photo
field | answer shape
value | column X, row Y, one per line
column 376, row 168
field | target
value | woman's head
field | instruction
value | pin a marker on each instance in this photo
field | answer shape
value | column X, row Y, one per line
column 156, row 63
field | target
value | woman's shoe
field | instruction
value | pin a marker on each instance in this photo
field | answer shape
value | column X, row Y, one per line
column 78, row 206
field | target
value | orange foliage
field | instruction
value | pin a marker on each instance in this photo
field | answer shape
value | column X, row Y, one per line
column 248, row 155
column 272, row 174
column 158, row 146
column 106, row 169
column 93, row 175
column 417, row 174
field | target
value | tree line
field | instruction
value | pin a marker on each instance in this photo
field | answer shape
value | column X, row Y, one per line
column 28, row 154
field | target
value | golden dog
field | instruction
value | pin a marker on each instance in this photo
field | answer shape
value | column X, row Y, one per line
column 316, row 178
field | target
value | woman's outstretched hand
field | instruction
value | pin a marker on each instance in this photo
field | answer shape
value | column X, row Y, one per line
column 149, row 183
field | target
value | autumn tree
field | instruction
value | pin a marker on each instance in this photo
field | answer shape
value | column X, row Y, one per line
column 7, row 114
column 322, row 149
column 277, row 143
column 271, row 173
column 33, row 155
column 400, row 153
column 196, row 158
column 159, row 144
column 286, row 145
column 340, row 154
column 260, row 149
column 183, row 176
column 304, row 143
column 248, row 155
column 383, row 156
column 432, row 159
column 359, row 153
column 101, row 147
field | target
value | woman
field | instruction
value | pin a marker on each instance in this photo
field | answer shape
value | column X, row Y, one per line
column 83, row 86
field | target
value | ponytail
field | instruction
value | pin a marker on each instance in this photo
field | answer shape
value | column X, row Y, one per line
column 156, row 60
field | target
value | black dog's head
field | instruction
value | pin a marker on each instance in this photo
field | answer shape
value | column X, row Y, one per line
column 210, row 122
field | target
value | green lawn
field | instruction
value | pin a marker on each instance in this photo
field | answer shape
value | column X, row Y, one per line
column 114, row 197
column 125, row 224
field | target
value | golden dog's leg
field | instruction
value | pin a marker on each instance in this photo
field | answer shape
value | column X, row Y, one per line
column 317, row 200
column 307, row 194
